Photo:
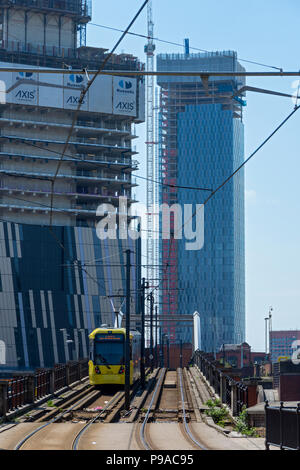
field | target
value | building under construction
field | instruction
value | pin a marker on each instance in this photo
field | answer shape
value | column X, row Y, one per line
column 201, row 144
column 57, row 279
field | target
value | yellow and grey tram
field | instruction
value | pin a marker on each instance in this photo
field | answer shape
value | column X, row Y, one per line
column 107, row 356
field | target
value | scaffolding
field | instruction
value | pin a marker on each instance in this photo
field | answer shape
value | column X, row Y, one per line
column 79, row 8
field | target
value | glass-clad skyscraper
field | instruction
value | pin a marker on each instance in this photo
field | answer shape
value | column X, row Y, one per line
column 201, row 144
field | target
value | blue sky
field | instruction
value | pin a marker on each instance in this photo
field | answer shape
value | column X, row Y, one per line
column 265, row 32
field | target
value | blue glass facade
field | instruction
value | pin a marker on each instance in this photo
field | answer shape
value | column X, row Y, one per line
column 202, row 142
column 212, row 279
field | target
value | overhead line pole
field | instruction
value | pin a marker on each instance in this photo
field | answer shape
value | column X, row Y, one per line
column 149, row 50
column 151, row 330
column 127, row 338
column 142, row 364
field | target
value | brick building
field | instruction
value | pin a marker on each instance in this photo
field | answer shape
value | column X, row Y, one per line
column 239, row 355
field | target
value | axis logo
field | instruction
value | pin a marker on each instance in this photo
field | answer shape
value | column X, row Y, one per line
column 25, row 95
column 74, row 100
column 125, row 106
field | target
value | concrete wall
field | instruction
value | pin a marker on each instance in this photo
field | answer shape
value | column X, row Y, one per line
column 39, row 29
column 174, row 353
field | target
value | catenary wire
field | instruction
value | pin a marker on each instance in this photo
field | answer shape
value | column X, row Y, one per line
column 73, row 157
column 226, row 181
column 181, row 45
column 83, row 93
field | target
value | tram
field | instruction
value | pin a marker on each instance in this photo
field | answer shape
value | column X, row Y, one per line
column 107, row 356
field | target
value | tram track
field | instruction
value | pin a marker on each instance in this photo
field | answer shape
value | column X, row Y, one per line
column 70, row 419
column 164, row 392
column 167, row 407
column 58, row 416
column 66, row 417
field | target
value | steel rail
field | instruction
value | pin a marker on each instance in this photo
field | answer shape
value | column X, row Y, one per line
column 117, row 396
column 53, row 420
column 186, row 426
column 142, row 431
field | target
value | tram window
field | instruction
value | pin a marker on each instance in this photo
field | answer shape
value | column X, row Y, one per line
column 91, row 349
column 107, row 353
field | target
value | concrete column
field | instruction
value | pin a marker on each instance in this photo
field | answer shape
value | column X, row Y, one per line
column 234, row 399
column 3, row 399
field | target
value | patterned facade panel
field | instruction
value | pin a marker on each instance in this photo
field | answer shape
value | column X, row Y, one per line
column 57, row 285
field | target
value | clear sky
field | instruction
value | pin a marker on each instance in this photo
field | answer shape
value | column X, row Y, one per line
column 265, row 32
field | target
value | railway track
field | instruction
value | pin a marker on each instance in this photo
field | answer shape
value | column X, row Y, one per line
column 57, row 416
column 74, row 421
column 167, row 407
column 170, row 386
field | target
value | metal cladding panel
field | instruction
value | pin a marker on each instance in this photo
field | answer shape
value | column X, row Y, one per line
column 48, row 83
column 124, row 96
column 49, row 294
column 24, row 88
column 101, row 95
column 108, row 94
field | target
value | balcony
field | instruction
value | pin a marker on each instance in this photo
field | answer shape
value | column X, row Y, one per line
column 100, row 194
column 84, row 143
column 95, row 160
column 81, row 126
column 79, row 177
column 74, row 211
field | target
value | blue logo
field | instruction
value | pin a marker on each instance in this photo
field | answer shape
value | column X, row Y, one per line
column 25, row 74
column 125, row 85
column 76, row 78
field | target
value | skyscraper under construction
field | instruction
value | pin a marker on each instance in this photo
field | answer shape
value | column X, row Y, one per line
column 57, row 279
column 201, row 144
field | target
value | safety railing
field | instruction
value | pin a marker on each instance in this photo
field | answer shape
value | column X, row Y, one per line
column 20, row 391
column 17, row 390
column 42, row 383
column 282, row 426
column 232, row 393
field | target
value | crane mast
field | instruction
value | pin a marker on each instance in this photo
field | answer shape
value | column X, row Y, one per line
column 151, row 167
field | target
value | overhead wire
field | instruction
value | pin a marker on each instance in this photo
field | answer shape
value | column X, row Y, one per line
column 75, row 114
column 213, row 192
column 82, row 95
column 181, row 45
column 73, row 157
column 224, row 183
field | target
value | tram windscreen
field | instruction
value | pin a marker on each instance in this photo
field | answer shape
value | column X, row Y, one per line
column 109, row 349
